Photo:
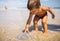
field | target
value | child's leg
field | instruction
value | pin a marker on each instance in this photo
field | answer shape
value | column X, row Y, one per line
column 44, row 24
column 35, row 21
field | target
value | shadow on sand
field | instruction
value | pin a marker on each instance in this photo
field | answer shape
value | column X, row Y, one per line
column 51, row 27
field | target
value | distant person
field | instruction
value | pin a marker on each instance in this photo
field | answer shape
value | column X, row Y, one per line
column 5, row 7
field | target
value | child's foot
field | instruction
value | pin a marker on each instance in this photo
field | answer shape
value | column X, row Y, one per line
column 45, row 33
column 36, row 29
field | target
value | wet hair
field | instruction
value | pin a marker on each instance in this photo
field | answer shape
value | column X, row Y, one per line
column 33, row 4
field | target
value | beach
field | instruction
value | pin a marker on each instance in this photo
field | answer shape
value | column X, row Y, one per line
column 13, row 21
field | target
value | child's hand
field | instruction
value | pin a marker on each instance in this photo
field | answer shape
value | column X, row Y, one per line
column 53, row 16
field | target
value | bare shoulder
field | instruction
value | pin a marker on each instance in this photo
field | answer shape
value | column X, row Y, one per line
column 44, row 7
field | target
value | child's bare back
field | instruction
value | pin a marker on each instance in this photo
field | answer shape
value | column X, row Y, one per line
column 42, row 11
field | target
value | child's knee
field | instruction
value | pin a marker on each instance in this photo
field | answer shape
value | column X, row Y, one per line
column 43, row 22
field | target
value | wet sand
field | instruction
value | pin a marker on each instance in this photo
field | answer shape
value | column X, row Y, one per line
column 12, row 24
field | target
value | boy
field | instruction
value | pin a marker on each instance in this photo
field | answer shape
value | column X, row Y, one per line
column 40, row 12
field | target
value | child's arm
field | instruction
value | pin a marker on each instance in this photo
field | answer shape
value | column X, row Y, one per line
column 49, row 10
